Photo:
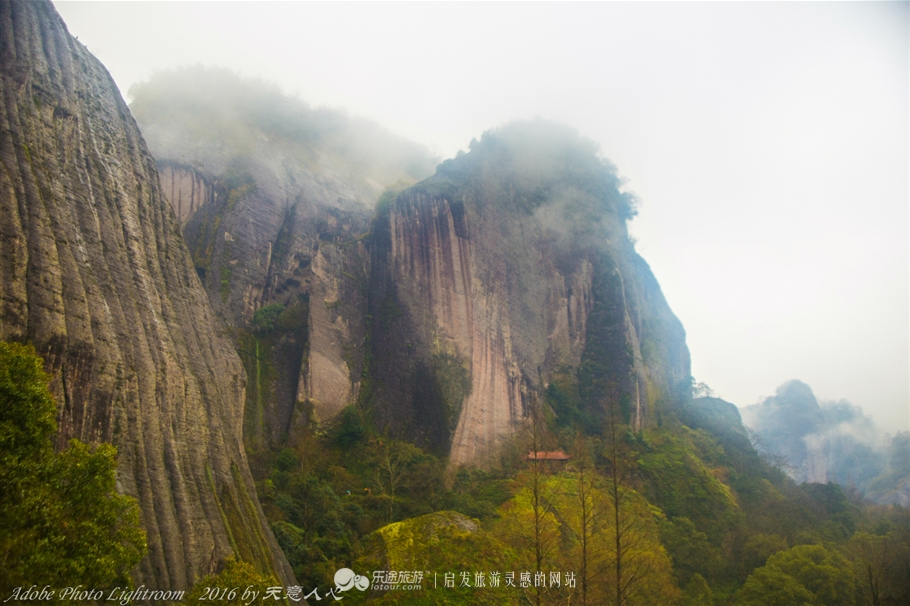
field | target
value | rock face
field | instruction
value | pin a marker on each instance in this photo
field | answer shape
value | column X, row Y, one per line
column 94, row 272
column 274, row 198
column 449, row 308
column 823, row 442
column 791, row 425
column 185, row 188
column 510, row 265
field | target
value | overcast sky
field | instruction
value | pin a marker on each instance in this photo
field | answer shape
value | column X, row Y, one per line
column 768, row 143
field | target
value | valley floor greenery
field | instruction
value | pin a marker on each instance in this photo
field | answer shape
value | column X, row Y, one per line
column 670, row 515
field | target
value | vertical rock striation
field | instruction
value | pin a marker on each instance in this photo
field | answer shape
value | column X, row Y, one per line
column 94, row 272
column 457, row 303
column 511, row 264
column 274, row 198
column 185, row 188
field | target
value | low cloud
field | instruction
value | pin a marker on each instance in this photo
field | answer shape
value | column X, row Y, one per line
column 828, row 441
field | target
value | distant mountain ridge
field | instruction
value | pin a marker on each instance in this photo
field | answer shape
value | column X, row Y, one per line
column 831, row 442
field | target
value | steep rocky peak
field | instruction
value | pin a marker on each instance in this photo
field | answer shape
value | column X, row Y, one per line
column 498, row 265
column 274, row 198
column 796, row 394
column 450, row 310
column 95, row 274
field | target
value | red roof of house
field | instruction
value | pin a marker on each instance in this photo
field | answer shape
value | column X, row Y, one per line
column 556, row 455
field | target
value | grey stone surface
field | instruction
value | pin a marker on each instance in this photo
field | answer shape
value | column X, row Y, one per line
column 94, row 272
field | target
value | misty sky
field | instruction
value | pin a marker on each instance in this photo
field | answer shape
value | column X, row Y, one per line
column 768, row 143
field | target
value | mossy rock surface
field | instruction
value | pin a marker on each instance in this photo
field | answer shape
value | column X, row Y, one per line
column 409, row 542
column 440, row 543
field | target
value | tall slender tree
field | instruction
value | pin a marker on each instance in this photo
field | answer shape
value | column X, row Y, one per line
column 588, row 523
column 639, row 569
column 544, row 525
column 531, row 522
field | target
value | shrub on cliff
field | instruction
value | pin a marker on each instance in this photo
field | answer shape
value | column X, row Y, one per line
column 62, row 522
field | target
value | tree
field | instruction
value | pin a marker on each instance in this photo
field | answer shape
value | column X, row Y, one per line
column 588, row 524
column 439, row 542
column 701, row 390
column 773, row 587
column 870, row 560
column 540, row 529
column 639, row 569
column 882, row 565
column 531, row 525
column 265, row 317
column 759, row 547
column 691, row 550
column 61, row 520
column 394, row 460
column 697, row 592
column 805, row 574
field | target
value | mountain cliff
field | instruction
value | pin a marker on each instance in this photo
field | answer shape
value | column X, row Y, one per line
column 508, row 269
column 96, row 275
column 274, row 197
column 830, row 442
column 445, row 310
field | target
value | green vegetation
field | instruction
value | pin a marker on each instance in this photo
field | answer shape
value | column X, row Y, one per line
column 275, row 341
column 389, row 195
column 224, row 287
column 607, row 359
column 453, row 376
column 805, row 574
column 701, row 518
column 444, row 541
column 343, row 480
column 667, row 516
column 265, row 317
column 208, row 237
column 679, row 482
column 62, row 522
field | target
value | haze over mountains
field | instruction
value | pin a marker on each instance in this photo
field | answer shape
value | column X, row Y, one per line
column 207, row 126
column 831, row 442
column 304, row 335
column 474, row 287
column 761, row 152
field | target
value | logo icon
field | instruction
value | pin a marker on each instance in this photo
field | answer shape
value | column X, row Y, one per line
column 346, row 578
